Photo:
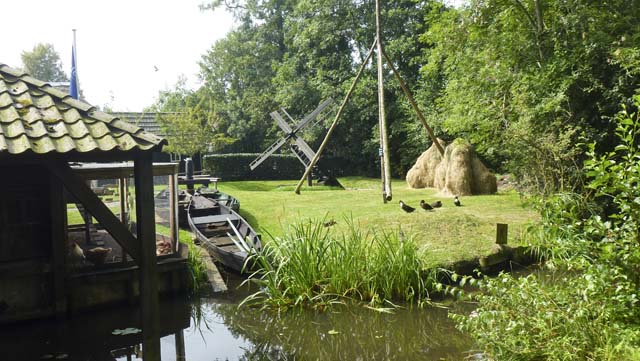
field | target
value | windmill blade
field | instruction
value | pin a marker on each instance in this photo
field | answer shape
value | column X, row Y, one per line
column 300, row 155
column 288, row 116
column 305, row 148
column 313, row 114
column 272, row 148
column 281, row 122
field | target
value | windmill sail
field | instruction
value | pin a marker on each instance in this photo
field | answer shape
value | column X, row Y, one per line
column 272, row 148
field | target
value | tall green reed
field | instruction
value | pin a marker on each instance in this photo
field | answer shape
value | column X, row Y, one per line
column 312, row 265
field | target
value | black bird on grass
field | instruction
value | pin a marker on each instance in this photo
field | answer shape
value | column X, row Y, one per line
column 426, row 206
column 436, row 204
column 330, row 223
column 406, row 208
column 456, row 201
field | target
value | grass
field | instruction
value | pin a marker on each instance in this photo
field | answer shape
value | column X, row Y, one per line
column 443, row 236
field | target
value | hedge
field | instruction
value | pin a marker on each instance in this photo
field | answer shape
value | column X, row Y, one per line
column 235, row 166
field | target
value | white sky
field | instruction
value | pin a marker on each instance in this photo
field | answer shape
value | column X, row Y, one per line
column 119, row 43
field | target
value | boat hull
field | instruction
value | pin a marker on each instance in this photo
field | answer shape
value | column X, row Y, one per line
column 223, row 232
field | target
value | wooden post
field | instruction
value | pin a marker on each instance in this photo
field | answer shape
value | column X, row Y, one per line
column 173, row 204
column 335, row 120
column 181, row 355
column 59, row 245
column 385, row 164
column 122, row 190
column 501, row 233
column 146, row 235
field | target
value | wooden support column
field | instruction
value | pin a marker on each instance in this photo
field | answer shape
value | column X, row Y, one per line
column 181, row 355
column 58, row 245
column 173, row 205
column 146, row 232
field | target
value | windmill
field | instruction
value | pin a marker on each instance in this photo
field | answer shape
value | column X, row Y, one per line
column 298, row 146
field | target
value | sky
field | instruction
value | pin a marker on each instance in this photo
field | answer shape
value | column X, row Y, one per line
column 119, row 43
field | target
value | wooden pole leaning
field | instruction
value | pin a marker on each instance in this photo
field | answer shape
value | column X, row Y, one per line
column 335, row 120
column 407, row 92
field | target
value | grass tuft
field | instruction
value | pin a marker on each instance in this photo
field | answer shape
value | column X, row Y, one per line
column 312, row 265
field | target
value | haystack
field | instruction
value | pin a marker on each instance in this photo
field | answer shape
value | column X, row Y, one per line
column 460, row 172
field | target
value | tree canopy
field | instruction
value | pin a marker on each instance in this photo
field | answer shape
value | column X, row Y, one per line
column 43, row 62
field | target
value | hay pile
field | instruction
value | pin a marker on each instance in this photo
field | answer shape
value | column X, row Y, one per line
column 460, row 172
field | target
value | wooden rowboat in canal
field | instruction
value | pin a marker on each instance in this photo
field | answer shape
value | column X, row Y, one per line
column 222, row 231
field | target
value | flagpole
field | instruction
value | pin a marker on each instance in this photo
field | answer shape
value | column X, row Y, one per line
column 74, row 86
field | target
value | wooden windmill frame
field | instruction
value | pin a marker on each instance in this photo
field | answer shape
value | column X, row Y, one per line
column 298, row 146
column 385, row 167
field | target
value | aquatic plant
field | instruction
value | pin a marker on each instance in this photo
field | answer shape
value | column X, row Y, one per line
column 313, row 265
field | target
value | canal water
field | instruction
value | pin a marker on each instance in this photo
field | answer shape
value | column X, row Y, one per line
column 215, row 328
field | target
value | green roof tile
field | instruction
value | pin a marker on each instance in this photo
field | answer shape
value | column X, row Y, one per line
column 37, row 118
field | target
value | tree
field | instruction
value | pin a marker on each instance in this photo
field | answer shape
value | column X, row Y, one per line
column 43, row 63
column 528, row 81
column 188, row 120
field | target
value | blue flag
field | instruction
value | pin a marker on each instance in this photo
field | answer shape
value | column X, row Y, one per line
column 73, row 86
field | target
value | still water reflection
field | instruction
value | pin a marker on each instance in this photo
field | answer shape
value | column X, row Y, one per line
column 214, row 328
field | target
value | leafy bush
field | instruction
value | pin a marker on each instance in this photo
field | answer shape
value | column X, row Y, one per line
column 585, row 307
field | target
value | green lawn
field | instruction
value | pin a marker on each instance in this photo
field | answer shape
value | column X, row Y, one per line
column 447, row 234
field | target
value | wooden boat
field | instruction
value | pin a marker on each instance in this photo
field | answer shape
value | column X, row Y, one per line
column 222, row 198
column 222, row 232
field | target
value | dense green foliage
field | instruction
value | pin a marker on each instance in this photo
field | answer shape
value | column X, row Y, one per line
column 235, row 166
column 313, row 266
column 527, row 82
column 585, row 305
column 43, row 63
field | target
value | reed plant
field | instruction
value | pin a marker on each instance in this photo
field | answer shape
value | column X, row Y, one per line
column 313, row 265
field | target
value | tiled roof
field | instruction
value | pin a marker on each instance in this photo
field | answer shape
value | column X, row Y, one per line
column 146, row 120
column 36, row 118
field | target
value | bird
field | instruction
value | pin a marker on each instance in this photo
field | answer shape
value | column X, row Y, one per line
column 426, row 206
column 97, row 255
column 406, row 208
column 155, row 68
column 436, row 204
column 76, row 254
column 456, row 201
column 330, row 223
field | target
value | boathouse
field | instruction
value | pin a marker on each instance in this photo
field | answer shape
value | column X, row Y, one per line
column 46, row 140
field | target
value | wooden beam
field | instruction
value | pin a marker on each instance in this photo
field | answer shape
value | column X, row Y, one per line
column 79, row 189
column 335, row 120
column 146, row 231
column 58, row 245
